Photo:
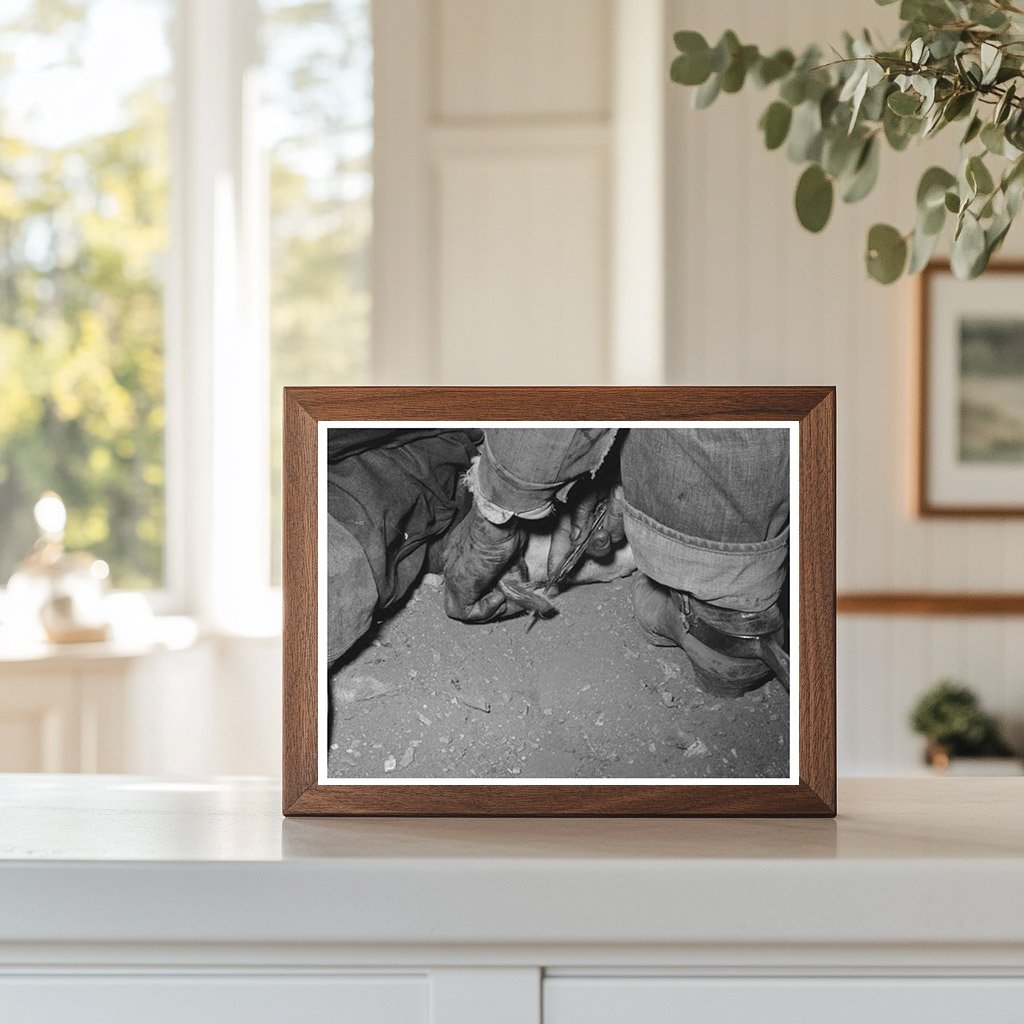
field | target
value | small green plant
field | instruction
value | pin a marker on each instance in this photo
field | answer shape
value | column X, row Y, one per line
column 956, row 61
column 951, row 718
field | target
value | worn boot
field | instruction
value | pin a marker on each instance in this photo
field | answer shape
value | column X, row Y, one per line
column 721, row 643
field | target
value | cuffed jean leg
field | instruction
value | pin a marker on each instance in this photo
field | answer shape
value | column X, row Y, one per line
column 707, row 511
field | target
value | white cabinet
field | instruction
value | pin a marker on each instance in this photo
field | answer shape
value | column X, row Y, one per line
column 133, row 898
column 199, row 999
column 829, row 1000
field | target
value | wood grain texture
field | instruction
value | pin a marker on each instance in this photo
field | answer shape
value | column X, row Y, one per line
column 923, row 503
column 924, row 603
column 812, row 407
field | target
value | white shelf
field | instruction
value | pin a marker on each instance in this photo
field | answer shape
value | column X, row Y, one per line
column 914, row 896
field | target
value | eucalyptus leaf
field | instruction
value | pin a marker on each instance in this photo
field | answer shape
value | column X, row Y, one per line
column 725, row 50
column 794, row 88
column 840, row 152
column 903, row 103
column 958, row 105
column 814, row 196
column 805, row 133
column 922, row 248
column 991, row 60
column 886, row 254
column 932, row 221
column 973, row 130
column 707, row 93
column 931, row 191
column 771, row 69
column 1005, row 105
column 873, row 106
column 968, row 247
column 735, row 74
column 993, row 138
column 979, row 177
column 987, row 15
column 775, row 124
column 865, row 174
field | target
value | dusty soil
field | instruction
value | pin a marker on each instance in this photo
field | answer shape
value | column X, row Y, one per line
column 581, row 695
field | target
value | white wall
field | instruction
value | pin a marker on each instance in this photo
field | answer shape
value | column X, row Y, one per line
column 507, row 135
column 514, row 157
column 754, row 299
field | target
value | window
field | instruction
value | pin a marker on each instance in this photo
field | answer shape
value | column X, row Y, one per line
column 185, row 221
column 317, row 116
column 83, row 236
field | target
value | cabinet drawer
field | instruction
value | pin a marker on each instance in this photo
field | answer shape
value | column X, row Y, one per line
column 782, row 1000
column 202, row 999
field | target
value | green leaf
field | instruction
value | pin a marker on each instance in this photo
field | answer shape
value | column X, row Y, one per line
column 987, row 15
column 735, row 74
column 978, row 176
column 725, row 50
column 865, row 174
column 904, row 103
column 693, row 65
column 931, row 12
column 707, row 93
column 969, row 254
column 873, row 107
column 814, row 195
column 794, row 89
column 922, row 247
column 840, row 152
column 952, row 202
column 993, row 138
column 973, row 130
column 1004, row 106
column 771, row 69
column 1013, row 187
column 931, row 222
column 991, row 61
column 931, row 191
column 805, row 133
column 887, row 253
column 959, row 105
column 900, row 130
column 775, row 124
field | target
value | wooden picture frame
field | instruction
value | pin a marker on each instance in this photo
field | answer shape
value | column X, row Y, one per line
column 960, row 472
column 808, row 413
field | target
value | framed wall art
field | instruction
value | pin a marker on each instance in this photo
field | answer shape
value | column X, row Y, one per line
column 970, row 445
column 559, row 601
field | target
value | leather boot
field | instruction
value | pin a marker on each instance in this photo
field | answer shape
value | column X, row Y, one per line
column 732, row 652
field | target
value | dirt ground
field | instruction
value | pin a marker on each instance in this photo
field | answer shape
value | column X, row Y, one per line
column 581, row 695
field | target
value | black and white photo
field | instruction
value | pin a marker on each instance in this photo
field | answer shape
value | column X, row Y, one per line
column 506, row 602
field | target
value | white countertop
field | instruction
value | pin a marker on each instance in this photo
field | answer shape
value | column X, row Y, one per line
column 121, row 859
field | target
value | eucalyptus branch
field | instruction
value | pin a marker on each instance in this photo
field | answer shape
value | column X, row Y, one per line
column 833, row 117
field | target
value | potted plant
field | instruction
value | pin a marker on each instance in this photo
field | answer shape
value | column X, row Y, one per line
column 957, row 62
column 950, row 717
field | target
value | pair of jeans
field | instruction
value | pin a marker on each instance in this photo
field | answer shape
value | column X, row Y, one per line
column 706, row 509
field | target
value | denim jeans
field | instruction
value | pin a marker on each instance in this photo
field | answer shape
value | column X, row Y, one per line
column 706, row 509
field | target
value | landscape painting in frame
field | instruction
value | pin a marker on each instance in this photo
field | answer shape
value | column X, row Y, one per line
column 972, row 393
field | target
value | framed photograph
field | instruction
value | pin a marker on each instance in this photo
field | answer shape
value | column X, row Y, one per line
column 970, row 450
column 559, row 601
